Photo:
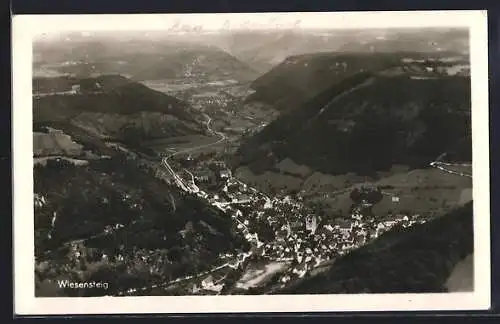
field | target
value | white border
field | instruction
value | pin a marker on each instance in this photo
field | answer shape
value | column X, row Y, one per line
column 26, row 27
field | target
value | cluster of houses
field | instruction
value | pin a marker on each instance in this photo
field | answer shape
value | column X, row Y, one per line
column 305, row 238
column 218, row 99
column 209, row 172
column 300, row 237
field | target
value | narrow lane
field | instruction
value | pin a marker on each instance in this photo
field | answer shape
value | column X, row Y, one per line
column 444, row 166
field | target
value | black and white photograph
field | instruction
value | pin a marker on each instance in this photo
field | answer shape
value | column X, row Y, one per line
column 251, row 162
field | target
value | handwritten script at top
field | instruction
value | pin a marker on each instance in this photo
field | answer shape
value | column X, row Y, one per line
column 228, row 26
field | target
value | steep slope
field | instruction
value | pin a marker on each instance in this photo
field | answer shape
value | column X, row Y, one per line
column 300, row 78
column 367, row 123
column 113, row 107
column 111, row 220
column 419, row 259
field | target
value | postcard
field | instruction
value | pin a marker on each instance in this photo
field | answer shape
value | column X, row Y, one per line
column 251, row 162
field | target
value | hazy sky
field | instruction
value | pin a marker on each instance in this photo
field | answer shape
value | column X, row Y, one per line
column 186, row 23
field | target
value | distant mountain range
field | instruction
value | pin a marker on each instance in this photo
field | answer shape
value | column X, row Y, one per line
column 139, row 60
column 370, row 115
column 265, row 49
column 242, row 54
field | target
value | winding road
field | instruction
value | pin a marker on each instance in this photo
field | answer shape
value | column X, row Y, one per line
column 442, row 166
column 176, row 177
column 194, row 189
column 222, row 138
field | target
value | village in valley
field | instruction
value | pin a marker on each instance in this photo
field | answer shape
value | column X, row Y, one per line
column 289, row 239
column 284, row 233
column 148, row 173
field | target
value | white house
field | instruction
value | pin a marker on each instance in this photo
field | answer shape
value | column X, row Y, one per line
column 225, row 174
column 75, row 89
column 311, row 223
column 390, row 223
column 328, row 227
column 402, row 218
